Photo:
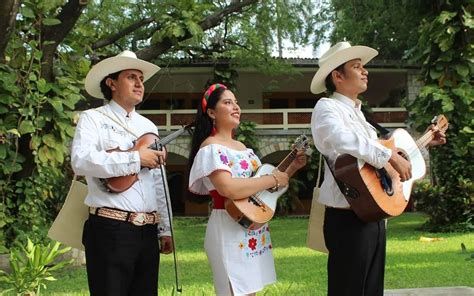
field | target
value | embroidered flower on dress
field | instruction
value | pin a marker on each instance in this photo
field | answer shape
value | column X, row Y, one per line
column 224, row 159
column 244, row 164
column 241, row 245
column 252, row 243
column 264, row 239
column 254, row 164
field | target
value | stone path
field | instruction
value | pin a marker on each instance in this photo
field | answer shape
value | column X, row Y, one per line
column 441, row 291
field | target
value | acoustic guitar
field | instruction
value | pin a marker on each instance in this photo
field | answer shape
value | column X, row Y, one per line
column 252, row 212
column 150, row 140
column 375, row 194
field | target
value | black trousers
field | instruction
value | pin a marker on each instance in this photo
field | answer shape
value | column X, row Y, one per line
column 121, row 258
column 356, row 261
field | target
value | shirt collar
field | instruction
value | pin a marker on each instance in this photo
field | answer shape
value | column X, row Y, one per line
column 119, row 110
column 342, row 98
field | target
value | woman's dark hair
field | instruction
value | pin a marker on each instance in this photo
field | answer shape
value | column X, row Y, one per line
column 329, row 83
column 203, row 123
column 104, row 88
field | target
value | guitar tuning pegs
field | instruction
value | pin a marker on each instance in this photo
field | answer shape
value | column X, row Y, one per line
column 435, row 119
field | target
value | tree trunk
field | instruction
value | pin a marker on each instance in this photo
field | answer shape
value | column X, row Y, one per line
column 8, row 11
column 68, row 16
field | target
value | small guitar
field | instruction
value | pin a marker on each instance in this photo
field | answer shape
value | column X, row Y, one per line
column 152, row 141
column 252, row 212
column 375, row 194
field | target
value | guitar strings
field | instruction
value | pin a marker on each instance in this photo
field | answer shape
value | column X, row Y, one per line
column 421, row 142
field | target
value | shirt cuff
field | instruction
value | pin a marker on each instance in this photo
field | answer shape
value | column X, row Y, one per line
column 383, row 155
column 164, row 230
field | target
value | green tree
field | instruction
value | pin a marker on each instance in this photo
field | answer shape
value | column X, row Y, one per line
column 446, row 55
column 390, row 26
column 47, row 47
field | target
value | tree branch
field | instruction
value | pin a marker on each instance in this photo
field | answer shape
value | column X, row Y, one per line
column 124, row 32
column 209, row 22
column 68, row 16
column 231, row 42
column 8, row 11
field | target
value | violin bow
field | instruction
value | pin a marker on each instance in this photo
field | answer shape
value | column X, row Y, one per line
column 168, row 208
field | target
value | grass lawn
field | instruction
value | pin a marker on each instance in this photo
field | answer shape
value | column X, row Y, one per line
column 411, row 263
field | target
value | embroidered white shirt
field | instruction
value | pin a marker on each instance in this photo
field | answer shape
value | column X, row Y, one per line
column 338, row 127
column 95, row 134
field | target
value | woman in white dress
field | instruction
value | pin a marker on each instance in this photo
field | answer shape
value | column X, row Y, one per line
column 241, row 259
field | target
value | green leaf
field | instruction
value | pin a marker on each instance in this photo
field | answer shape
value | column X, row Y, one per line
column 35, row 142
column 14, row 131
column 49, row 140
column 468, row 21
column 40, row 122
column 435, row 74
column 51, row 22
column 3, row 109
column 26, row 127
column 193, row 28
column 468, row 130
column 462, row 70
column 57, row 105
column 27, row 12
column 6, row 98
column 3, row 151
column 446, row 16
column 178, row 31
column 58, row 155
column 33, row 77
column 448, row 105
column 43, row 86
column 44, row 154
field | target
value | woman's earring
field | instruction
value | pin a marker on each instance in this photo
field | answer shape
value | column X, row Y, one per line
column 214, row 130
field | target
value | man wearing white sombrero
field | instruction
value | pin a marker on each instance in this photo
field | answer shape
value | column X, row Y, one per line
column 123, row 233
column 356, row 260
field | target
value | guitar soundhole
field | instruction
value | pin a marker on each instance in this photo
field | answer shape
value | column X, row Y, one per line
column 403, row 154
column 385, row 181
column 257, row 202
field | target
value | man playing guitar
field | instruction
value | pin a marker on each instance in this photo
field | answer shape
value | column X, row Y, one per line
column 356, row 259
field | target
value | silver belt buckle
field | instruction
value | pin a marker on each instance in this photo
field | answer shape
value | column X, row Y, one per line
column 138, row 219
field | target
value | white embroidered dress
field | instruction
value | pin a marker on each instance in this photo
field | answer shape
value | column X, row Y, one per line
column 237, row 255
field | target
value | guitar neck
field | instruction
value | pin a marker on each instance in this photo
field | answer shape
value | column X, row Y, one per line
column 287, row 161
column 425, row 139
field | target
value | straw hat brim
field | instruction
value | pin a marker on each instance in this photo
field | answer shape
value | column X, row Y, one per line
column 112, row 65
column 364, row 53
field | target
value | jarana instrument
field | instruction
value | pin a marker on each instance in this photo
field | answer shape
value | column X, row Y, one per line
column 252, row 212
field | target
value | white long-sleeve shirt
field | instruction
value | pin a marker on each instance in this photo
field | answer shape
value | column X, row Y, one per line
column 95, row 134
column 339, row 127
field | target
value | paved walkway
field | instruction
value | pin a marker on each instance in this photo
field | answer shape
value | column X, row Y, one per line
column 441, row 291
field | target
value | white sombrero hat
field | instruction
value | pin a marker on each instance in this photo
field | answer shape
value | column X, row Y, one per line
column 123, row 61
column 337, row 55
